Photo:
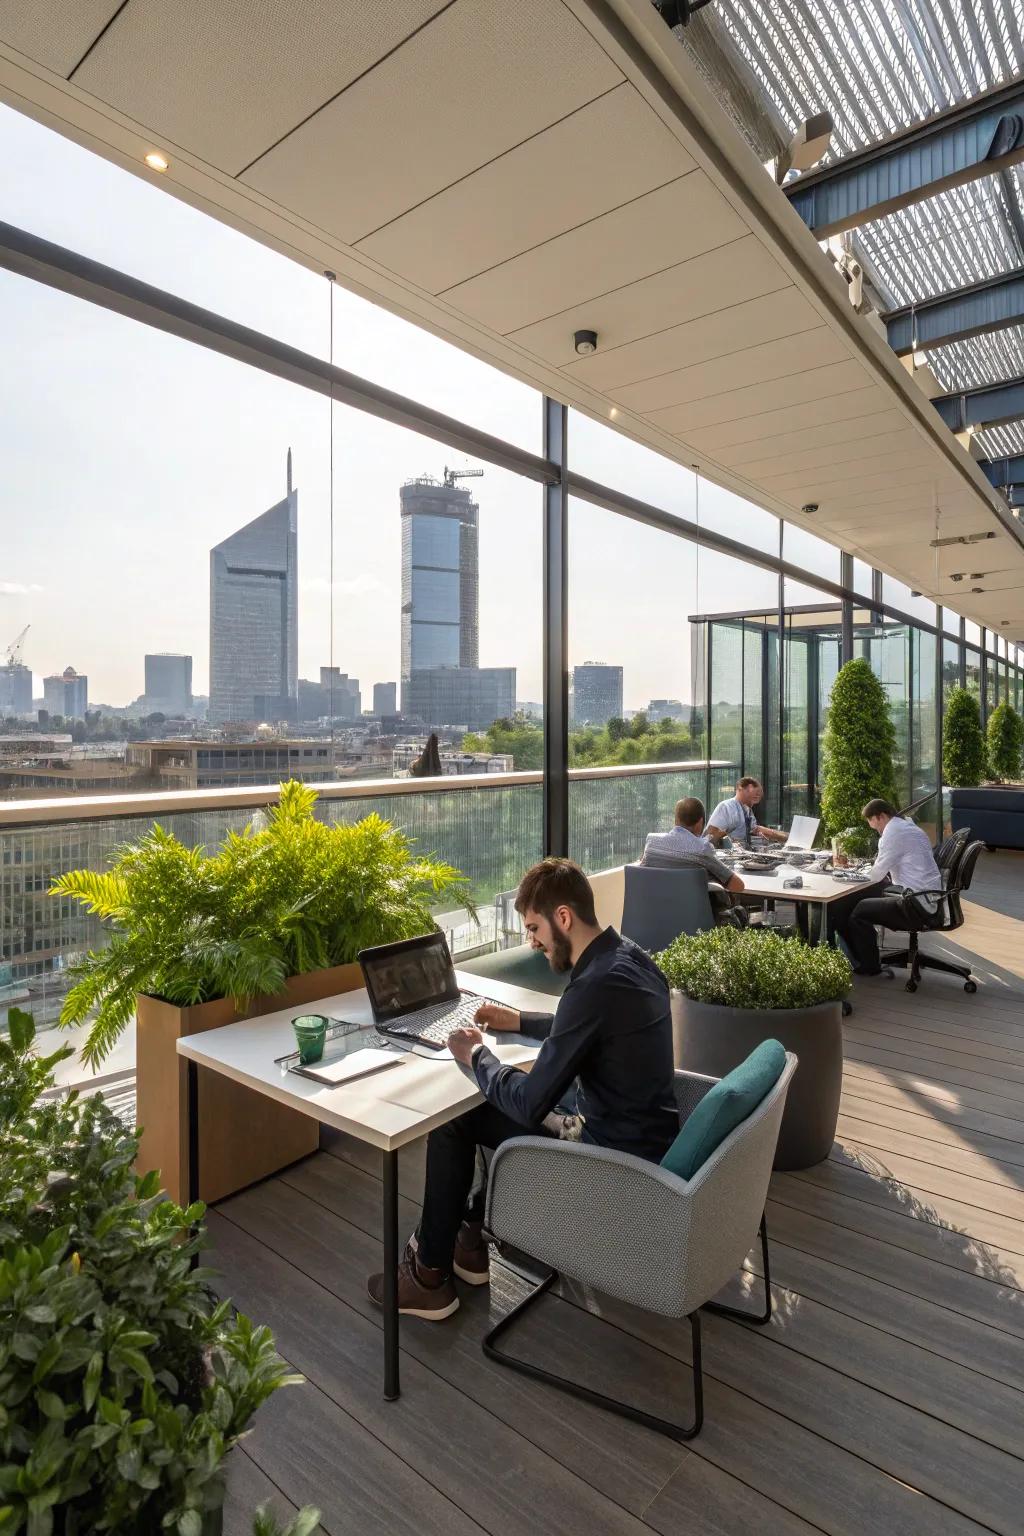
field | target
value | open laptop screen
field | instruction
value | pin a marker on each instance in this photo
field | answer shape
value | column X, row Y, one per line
column 409, row 975
column 803, row 832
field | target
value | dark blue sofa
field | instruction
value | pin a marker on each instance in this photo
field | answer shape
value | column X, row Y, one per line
column 994, row 815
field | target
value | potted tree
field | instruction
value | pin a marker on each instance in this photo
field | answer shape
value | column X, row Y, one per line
column 125, row 1381
column 273, row 918
column 963, row 743
column 1005, row 739
column 733, row 988
column 859, row 748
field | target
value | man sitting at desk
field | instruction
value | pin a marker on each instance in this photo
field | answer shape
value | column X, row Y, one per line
column 612, row 1030
column 687, row 847
column 735, row 817
column 905, row 857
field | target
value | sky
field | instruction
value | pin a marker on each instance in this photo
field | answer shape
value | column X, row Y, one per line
column 127, row 454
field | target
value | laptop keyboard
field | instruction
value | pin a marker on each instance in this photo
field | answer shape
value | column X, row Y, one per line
column 435, row 1024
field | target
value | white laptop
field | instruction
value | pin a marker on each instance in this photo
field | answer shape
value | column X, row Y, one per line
column 803, row 832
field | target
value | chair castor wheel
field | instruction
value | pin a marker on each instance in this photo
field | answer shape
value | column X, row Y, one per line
column 970, row 986
column 847, row 1008
column 911, row 986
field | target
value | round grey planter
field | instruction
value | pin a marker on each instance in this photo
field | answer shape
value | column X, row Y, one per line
column 711, row 1039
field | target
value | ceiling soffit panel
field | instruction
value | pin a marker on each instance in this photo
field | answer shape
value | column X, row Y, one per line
column 768, row 318
column 813, row 409
column 609, row 153
column 787, row 446
column 808, row 348
column 227, row 80
column 57, row 39
column 478, row 80
column 879, row 445
column 749, row 404
column 717, row 280
column 653, row 233
column 804, row 486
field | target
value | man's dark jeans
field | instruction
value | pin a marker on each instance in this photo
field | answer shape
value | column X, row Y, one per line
column 858, row 931
column 451, row 1165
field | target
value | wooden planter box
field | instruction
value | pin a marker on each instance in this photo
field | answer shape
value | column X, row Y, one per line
column 243, row 1135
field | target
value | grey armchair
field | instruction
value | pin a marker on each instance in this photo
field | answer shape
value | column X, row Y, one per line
column 634, row 1231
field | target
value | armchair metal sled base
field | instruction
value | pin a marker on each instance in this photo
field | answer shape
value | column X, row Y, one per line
column 673, row 1431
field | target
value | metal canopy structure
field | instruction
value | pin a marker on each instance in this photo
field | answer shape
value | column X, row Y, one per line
column 881, row 68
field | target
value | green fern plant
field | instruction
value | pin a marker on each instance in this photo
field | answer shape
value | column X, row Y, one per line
column 294, row 895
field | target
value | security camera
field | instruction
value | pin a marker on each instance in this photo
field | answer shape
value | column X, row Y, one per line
column 585, row 342
column 809, row 508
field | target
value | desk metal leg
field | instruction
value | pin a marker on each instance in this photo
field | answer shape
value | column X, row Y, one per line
column 392, row 1388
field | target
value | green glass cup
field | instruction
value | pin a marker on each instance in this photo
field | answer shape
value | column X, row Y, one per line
column 310, row 1035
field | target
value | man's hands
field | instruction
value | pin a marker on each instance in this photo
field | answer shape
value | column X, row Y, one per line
column 497, row 1016
column 461, row 1043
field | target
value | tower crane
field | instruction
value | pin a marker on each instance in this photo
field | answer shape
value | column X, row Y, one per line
column 451, row 475
column 15, row 647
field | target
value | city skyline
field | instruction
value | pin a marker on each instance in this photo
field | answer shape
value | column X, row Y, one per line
column 167, row 447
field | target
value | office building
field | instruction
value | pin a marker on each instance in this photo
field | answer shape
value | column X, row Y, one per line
column 335, row 697
column 169, row 683
column 15, row 689
column 596, row 693
column 473, row 697
column 440, row 579
column 66, row 694
column 254, row 621
column 667, row 709
column 385, row 698
column 221, row 764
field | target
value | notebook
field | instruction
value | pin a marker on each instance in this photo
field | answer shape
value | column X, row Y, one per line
column 347, row 1068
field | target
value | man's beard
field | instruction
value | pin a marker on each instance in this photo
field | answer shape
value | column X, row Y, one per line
column 560, row 953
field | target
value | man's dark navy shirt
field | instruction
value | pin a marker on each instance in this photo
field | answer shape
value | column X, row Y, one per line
column 613, row 1031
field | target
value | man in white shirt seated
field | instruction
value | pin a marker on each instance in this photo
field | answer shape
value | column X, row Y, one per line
column 735, row 817
column 905, row 857
column 686, row 846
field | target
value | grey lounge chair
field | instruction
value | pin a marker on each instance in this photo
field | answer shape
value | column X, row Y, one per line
column 632, row 1230
column 660, row 904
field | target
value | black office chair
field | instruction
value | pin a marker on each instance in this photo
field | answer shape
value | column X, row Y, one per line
column 949, row 850
column 949, row 917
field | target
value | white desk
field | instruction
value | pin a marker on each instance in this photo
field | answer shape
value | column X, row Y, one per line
column 817, row 890
column 387, row 1110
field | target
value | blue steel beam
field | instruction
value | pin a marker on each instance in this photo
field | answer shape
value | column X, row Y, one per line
column 977, row 138
column 993, row 305
column 1003, row 473
column 993, row 405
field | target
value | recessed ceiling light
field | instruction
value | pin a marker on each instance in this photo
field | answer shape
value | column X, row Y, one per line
column 156, row 161
column 613, row 412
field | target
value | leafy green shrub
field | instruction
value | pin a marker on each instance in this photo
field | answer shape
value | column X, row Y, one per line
column 859, row 747
column 738, row 968
column 857, row 842
column 1005, row 740
column 963, row 744
column 294, row 896
column 123, row 1381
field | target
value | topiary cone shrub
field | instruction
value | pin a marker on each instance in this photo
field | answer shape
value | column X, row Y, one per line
column 1005, row 739
column 859, row 747
column 963, row 744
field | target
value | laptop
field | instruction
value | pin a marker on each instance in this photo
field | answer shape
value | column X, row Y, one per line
column 803, row 832
column 413, row 991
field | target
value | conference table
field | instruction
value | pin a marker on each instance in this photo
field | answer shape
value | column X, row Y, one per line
column 387, row 1110
column 818, row 891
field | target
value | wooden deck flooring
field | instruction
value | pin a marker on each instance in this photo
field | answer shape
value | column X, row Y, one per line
column 886, row 1397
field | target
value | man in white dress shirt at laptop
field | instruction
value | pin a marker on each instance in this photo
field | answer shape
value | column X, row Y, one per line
column 905, row 857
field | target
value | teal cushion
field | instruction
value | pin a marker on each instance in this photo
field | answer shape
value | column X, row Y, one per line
column 724, row 1107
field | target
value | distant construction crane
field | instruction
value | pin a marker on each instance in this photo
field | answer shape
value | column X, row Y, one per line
column 451, row 475
column 15, row 648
